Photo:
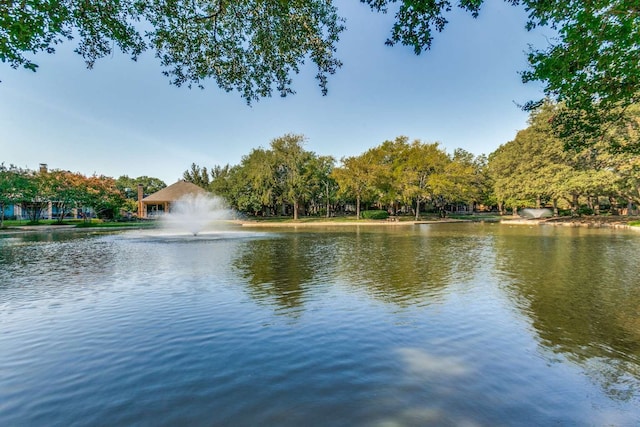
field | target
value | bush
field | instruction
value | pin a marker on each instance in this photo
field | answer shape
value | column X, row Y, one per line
column 585, row 210
column 377, row 214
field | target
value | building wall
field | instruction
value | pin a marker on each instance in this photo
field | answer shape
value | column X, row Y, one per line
column 9, row 211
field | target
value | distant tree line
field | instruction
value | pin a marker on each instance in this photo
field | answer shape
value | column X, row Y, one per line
column 539, row 168
column 99, row 195
column 397, row 176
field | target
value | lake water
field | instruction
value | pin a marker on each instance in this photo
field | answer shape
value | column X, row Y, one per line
column 443, row 325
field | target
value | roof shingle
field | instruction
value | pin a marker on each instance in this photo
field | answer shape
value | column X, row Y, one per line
column 174, row 192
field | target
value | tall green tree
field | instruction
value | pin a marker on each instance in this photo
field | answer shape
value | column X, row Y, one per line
column 259, row 168
column 424, row 161
column 292, row 170
column 404, row 172
column 66, row 191
column 355, row 177
column 401, row 174
column 321, row 187
column 197, row 175
column 129, row 186
column 388, row 162
column 221, row 180
column 35, row 194
column 463, row 174
column 102, row 194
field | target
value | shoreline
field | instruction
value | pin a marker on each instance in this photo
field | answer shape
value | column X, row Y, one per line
column 618, row 222
column 621, row 222
column 267, row 224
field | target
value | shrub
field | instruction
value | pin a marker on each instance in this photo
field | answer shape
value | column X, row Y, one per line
column 585, row 210
column 376, row 214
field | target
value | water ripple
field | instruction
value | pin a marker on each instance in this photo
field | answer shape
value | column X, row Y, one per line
column 425, row 326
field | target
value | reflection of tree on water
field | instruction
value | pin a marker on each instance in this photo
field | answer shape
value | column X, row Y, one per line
column 407, row 268
column 280, row 271
column 580, row 294
column 400, row 267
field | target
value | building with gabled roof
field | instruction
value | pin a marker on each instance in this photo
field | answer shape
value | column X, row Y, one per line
column 160, row 202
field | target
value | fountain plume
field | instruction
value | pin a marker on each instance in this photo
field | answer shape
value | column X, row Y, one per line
column 195, row 213
column 536, row 213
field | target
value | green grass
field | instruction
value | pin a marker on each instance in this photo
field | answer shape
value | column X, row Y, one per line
column 79, row 223
column 305, row 219
column 476, row 217
column 109, row 224
column 337, row 219
column 20, row 222
column 634, row 223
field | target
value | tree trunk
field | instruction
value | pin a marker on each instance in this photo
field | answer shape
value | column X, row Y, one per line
column 555, row 208
column 417, row 208
column 328, row 204
column 574, row 205
column 358, row 207
column 295, row 209
column 614, row 206
column 1, row 214
column 538, row 202
column 60, row 213
column 442, row 213
column 629, row 207
column 34, row 210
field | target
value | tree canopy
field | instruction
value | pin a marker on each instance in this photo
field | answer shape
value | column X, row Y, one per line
column 129, row 186
column 251, row 46
column 396, row 175
column 533, row 169
column 254, row 46
column 34, row 191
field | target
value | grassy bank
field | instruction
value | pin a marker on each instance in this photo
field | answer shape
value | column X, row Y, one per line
column 75, row 223
column 323, row 221
column 332, row 220
column 614, row 221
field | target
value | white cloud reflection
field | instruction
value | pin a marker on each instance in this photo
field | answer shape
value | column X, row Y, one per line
column 423, row 364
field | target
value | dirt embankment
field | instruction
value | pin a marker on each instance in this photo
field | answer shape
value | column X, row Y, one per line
column 614, row 221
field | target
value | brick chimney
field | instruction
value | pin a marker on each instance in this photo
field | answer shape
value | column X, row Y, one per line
column 140, row 197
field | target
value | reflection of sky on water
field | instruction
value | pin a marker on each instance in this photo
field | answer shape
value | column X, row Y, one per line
column 424, row 366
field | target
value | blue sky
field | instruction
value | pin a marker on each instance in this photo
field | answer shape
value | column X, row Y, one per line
column 123, row 117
